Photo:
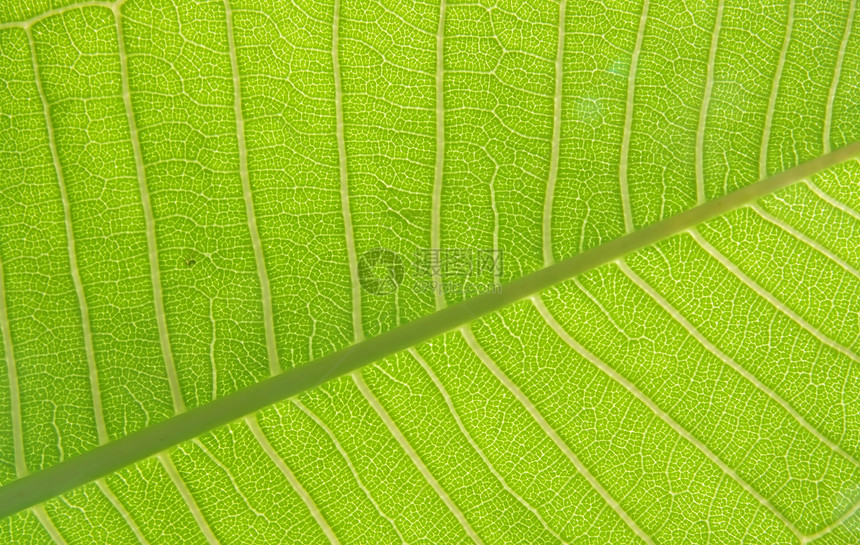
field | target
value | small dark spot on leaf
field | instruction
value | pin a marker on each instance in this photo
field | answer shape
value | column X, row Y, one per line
column 189, row 259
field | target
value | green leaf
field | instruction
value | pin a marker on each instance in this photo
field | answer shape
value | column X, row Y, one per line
column 378, row 272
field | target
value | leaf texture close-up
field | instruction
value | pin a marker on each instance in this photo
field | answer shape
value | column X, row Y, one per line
column 384, row 271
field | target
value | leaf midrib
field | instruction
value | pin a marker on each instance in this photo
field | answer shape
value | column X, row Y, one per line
column 109, row 457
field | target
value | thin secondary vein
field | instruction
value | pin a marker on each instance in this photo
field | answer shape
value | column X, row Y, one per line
column 439, row 173
column 12, row 373
column 496, row 277
column 660, row 413
column 774, row 91
column 837, row 72
column 814, row 244
column 548, row 258
column 259, row 257
column 251, row 422
column 188, row 498
column 831, row 201
column 850, row 512
column 236, row 488
column 416, row 460
column 149, row 222
column 706, row 101
column 450, row 404
column 95, row 391
column 57, row 11
column 713, row 349
column 628, row 121
column 349, row 232
column 48, row 524
column 126, row 516
column 551, row 433
column 769, row 297
column 318, row 421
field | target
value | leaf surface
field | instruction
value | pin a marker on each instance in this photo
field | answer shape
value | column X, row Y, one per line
column 221, row 223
